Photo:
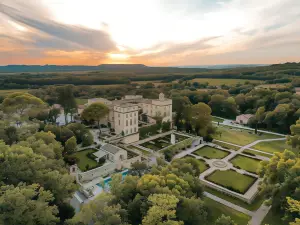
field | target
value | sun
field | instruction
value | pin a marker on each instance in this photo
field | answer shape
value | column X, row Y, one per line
column 118, row 56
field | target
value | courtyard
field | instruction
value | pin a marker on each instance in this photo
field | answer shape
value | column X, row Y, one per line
column 85, row 160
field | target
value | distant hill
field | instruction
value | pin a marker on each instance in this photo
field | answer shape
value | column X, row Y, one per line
column 224, row 66
column 103, row 67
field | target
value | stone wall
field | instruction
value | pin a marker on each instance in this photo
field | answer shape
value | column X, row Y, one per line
column 102, row 171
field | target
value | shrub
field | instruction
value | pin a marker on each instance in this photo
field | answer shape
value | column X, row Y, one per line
column 90, row 155
column 71, row 160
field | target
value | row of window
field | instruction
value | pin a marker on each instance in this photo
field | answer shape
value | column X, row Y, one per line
column 129, row 122
column 128, row 114
column 131, row 131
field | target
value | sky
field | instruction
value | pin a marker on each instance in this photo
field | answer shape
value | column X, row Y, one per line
column 150, row 32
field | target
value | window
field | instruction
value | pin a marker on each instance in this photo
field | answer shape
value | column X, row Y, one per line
column 130, row 121
column 134, row 121
column 126, row 122
column 119, row 122
column 131, row 130
column 130, row 114
column 135, row 129
column 165, row 114
column 126, row 115
column 119, row 115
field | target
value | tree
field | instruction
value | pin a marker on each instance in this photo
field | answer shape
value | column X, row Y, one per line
column 87, row 139
column 138, row 168
column 100, row 211
column 163, row 210
column 200, row 116
column 192, row 211
column 20, row 102
column 281, row 179
column 67, row 100
column 53, row 114
column 180, row 107
column 294, row 209
column 28, row 205
column 11, row 133
column 95, row 112
column 225, row 220
column 71, row 145
column 294, row 140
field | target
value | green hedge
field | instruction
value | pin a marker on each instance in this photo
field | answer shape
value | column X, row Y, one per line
column 172, row 150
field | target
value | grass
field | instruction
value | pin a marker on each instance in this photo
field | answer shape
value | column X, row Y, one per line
column 7, row 92
column 240, row 136
column 216, row 119
column 272, row 146
column 227, row 146
column 256, row 153
column 211, row 153
column 252, row 207
column 84, row 160
column 273, row 218
column 245, row 163
column 231, row 180
column 217, row 209
column 219, row 82
column 201, row 163
column 81, row 101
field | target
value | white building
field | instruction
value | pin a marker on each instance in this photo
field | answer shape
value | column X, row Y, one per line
column 243, row 119
column 124, row 114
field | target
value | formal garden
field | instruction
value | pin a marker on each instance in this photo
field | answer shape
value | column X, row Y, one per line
column 211, row 153
column 232, row 180
column 246, row 163
column 86, row 160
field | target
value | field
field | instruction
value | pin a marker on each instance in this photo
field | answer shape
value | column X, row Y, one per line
column 217, row 82
column 272, row 146
column 245, row 163
column 7, row 92
column 211, row 153
column 84, row 160
column 252, row 207
column 240, row 136
column 217, row 209
column 231, row 180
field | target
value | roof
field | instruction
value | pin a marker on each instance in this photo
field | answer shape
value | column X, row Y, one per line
column 111, row 148
column 99, row 154
column 246, row 116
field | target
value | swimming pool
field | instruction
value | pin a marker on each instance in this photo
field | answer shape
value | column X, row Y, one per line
column 108, row 179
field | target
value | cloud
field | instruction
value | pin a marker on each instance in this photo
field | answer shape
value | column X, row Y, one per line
column 83, row 37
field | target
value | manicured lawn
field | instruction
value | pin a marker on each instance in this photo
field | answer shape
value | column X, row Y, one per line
column 211, row 153
column 217, row 119
column 257, row 153
column 81, row 101
column 84, row 160
column 272, row 146
column 232, row 180
column 240, row 136
column 245, row 163
column 217, row 209
column 252, row 207
column 227, row 146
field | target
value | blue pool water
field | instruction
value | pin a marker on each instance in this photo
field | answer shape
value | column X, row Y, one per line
column 108, row 179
